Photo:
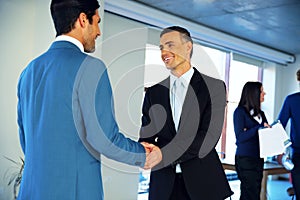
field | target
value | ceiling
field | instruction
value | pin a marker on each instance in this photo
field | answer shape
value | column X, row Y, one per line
column 271, row 23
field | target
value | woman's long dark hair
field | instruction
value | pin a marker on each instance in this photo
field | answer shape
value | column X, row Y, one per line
column 250, row 98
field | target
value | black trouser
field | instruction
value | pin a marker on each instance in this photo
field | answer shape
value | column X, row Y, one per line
column 296, row 174
column 179, row 190
column 250, row 173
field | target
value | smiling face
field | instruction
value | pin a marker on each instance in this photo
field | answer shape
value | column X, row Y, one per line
column 91, row 33
column 175, row 52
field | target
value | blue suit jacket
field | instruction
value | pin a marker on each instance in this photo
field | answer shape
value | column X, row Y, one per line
column 291, row 110
column 66, row 120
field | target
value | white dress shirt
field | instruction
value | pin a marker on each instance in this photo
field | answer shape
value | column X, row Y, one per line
column 258, row 118
column 178, row 99
column 177, row 96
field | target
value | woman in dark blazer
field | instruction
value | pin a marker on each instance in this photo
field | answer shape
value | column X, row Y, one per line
column 248, row 118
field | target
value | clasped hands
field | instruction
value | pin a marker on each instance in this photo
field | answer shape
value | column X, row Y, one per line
column 153, row 155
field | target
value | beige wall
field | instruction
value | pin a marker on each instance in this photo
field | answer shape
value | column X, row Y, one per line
column 26, row 31
column 286, row 83
column 123, row 51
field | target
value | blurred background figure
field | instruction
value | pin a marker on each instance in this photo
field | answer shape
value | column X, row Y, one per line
column 291, row 111
column 248, row 118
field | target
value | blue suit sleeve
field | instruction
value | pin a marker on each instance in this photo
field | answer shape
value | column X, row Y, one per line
column 284, row 114
column 102, row 131
column 20, row 119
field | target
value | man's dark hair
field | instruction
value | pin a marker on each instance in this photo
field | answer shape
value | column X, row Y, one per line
column 298, row 75
column 65, row 13
column 250, row 98
column 185, row 34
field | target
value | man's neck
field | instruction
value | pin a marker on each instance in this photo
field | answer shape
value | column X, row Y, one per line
column 73, row 34
column 181, row 69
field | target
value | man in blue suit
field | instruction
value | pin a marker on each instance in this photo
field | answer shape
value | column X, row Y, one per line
column 290, row 111
column 65, row 113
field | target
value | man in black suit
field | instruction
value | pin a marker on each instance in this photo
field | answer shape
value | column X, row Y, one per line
column 184, row 115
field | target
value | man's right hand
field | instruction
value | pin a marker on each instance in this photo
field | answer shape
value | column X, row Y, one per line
column 153, row 155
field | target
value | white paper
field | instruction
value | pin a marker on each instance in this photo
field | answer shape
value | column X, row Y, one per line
column 273, row 141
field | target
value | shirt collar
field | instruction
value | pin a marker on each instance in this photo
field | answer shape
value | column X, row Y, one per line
column 70, row 39
column 187, row 76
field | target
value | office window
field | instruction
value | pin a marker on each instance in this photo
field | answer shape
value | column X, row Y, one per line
column 239, row 73
column 155, row 70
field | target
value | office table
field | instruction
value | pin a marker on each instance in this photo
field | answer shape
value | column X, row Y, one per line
column 270, row 168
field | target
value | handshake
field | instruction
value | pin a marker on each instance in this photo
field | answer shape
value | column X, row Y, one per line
column 153, row 155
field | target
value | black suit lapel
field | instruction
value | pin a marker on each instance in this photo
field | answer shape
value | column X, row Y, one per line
column 165, row 101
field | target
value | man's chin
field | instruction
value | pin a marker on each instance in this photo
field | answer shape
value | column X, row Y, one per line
column 89, row 50
column 168, row 67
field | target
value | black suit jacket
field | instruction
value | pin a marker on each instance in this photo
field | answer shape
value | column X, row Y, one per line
column 193, row 145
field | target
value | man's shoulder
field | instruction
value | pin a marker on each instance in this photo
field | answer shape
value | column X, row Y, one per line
column 92, row 67
column 295, row 97
column 207, row 78
column 215, row 86
column 164, row 84
column 94, row 60
column 211, row 79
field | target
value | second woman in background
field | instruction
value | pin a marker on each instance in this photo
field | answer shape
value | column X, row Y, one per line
column 248, row 118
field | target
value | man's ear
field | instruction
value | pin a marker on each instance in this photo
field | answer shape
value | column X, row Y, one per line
column 82, row 19
column 189, row 46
